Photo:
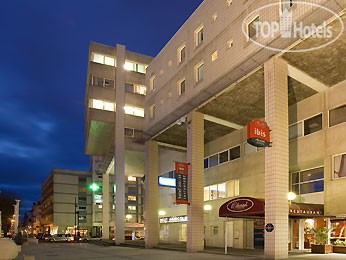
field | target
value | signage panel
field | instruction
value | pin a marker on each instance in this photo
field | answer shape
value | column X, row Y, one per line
column 181, row 175
column 173, row 219
column 168, row 182
column 258, row 133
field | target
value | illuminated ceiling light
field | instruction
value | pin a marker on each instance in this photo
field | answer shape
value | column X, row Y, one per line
column 128, row 216
column 162, row 213
column 94, row 187
column 207, row 207
column 291, row 196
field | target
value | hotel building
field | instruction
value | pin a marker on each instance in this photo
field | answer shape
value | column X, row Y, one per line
column 216, row 74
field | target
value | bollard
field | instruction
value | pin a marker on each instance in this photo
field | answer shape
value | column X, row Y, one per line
column 8, row 249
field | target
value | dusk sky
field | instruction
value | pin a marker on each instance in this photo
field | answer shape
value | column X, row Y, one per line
column 43, row 69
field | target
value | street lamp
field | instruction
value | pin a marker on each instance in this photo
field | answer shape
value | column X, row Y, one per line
column 291, row 196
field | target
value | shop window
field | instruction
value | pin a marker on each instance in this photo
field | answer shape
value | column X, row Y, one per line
column 183, row 232
column 214, row 160
column 223, row 157
column 337, row 115
column 313, row 124
column 295, row 131
column 234, row 153
column 339, row 166
column 252, row 28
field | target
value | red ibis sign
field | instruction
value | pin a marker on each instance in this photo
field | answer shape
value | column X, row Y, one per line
column 181, row 175
column 258, row 133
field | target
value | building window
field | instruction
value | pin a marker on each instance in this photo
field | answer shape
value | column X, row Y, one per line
column 140, row 89
column 181, row 54
column 136, row 67
column 214, row 160
column 295, row 131
column 206, row 163
column 181, row 87
column 252, row 28
column 152, row 83
column 129, row 132
column 102, row 82
column 339, row 166
column 102, row 105
column 337, row 115
column 214, row 56
column 223, row 157
column 131, row 179
column 199, row 71
column 234, row 153
column 232, row 188
column 152, row 111
column 134, row 111
column 131, row 208
column 215, row 230
column 221, row 190
column 131, row 198
column 286, row 4
column 214, row 17
column 102, row 59
column 228, row 3
column 313, row 124
column 230, row 43
column 308, row 181
column 199, row 36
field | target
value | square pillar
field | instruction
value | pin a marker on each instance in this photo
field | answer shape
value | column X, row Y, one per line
column 105, row 206
column 119, row 158
column 151, row 194
column 195, row 158
column 276, row 158
column 301, row 234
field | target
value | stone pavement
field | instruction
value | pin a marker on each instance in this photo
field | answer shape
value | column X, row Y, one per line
column 67, row 251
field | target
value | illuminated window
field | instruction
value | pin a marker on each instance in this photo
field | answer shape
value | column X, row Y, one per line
column 229, row 3
column 181, row 54
column 129, row 65
column 140, row 68
column 134, row 111
column 98, row 58
column 221, row 188
column 131, row 178
column 140, row 89
column 152, row 111
column 214, row 17
column 133, row 66
column 181, row 87
column 214, row 56
column 152, row 83
column 339, row 166
column 206, row 193
column 131, row 198
column 213, row 192
column 109, row 61
column 108, row 106
column 97, row 104
column 199, row 71
column 229, row 43
column 133, row 208
column 199, row 36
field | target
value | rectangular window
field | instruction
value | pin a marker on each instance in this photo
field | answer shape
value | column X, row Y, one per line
column 213, row 192
column 131, row 198
column 152, row 111
column 311, row 175
column 229, row 43
column 181, row 87
column 307, row 181
column 131, row 179
column 97, row 81
column 339, row 166
column 129, row 132
column 140, row 68
column 214, row 56
column 249, row 149
column 251, row 28
column 215, row 230
column 129, row 65
column 181, row 54
column 108, row 83
column 221, row 188
column 199, row 71
column 97, row 104
column 152, row 83
column 98, row 58
column 234, row 153
column 199, row 36
column 206, row 193
column 108, row 106
column 140, row 89
column 131, row 208
column 109, row 61
column 223, row 157
column 295, row 131
column 129, row 88
column 337, row 115
column 206, row 163
column 213, row 160
column 313, row 124
column 134, row 111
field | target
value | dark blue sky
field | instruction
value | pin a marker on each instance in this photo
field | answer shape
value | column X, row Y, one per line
column 44, row 55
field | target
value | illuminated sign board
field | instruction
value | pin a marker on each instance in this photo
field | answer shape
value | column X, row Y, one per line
column 181, row 175
column 169, row 182
column 173, row 219
column 258, row 133
column 98, row 198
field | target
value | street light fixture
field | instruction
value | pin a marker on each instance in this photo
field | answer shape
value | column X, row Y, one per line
column 291, row 196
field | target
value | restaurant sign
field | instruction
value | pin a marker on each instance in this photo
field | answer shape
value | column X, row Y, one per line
column 258, row 133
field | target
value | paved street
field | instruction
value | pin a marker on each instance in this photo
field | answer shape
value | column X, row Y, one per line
column 65, row 251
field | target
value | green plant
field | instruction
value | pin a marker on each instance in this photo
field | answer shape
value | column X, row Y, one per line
column 340, row 242
column 320, row 235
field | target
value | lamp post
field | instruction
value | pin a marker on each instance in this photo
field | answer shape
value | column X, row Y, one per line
column 75, row 221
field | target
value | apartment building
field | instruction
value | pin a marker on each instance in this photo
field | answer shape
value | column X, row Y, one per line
column 66, row 202
column 114, row 138
column 35, row 213
column 204, row 86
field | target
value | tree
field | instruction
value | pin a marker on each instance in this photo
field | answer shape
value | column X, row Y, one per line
column 7, row 200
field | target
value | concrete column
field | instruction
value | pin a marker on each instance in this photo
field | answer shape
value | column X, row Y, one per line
column 119, row 167
column 105, row 206
column 151, row 194
column 195, row 156
column 16, row 213
column 276, row 158
column 301, row 234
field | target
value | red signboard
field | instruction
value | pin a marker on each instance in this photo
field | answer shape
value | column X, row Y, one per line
column 258, row 133
column 181, row 175
column 243, row 206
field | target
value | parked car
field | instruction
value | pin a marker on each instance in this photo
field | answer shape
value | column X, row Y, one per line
column 61, row 238
column 47, row 237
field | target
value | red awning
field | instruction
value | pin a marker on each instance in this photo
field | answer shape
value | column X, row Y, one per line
column 251, row 207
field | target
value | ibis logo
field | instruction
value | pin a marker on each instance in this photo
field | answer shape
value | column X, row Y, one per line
column 267, row 33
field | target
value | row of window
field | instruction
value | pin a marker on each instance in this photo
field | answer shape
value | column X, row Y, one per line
column 308, row 181
column 129, row 87
column 110, row 106
column 222, row 190
column 111, row 61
